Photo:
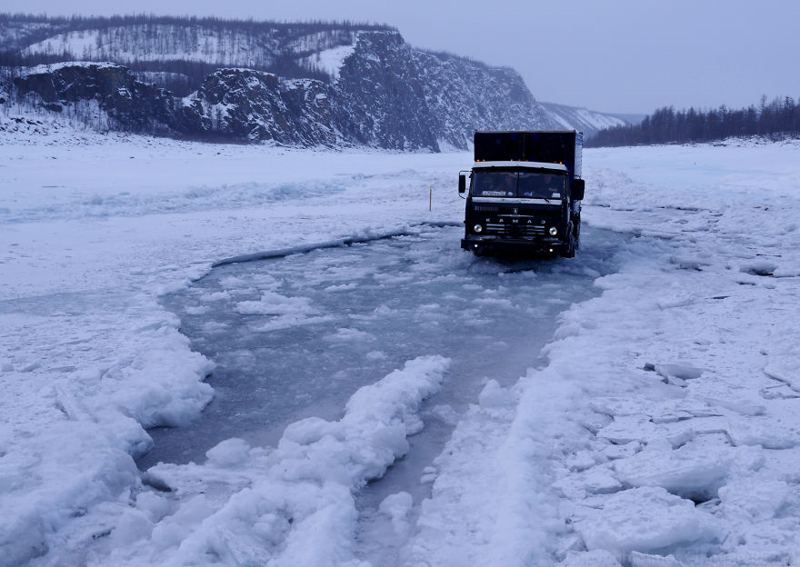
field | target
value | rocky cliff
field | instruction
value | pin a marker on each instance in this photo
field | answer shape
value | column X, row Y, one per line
column 126, row 103
column 380, row 92
column 463, row 96
column 253, row 106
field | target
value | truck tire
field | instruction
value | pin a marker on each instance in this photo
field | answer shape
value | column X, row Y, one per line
column 570, row 253
column 572, row 241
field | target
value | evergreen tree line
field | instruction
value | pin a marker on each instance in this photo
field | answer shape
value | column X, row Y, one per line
column 216, row 38
column 665, row 125
column 33, row 28
column 153, row 45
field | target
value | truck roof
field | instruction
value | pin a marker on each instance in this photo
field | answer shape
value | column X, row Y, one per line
column 545, row 146
column 521, row 164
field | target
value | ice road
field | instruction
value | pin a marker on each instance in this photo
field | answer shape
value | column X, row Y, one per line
column 295, row 337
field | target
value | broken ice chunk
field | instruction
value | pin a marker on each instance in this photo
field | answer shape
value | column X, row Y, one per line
column 770, row 433
column 646, row 560
column 647, row 519
column 761, row 500
column 695, row 471
column 680, row 371
column 759, row 267
column 595, row 558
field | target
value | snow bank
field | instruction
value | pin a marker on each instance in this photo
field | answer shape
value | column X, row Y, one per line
column 683, row 372
column 289, row 506
column 75, row 417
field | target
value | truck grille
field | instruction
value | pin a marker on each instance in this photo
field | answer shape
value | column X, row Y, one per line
column 522, row 230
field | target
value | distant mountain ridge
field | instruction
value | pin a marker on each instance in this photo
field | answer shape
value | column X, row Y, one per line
column 329, row 84
column 587, row 121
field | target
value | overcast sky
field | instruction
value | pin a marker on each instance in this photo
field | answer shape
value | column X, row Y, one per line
column 626, row 56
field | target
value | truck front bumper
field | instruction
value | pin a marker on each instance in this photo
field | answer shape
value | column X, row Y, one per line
column 490, row 245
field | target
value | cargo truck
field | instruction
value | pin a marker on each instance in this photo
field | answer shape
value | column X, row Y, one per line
column 524, row 193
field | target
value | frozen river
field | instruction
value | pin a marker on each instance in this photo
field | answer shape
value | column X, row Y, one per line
column 296, row 336
column 663, row 421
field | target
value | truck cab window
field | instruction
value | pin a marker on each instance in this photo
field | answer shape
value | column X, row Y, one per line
column 494, row 184
column 541, row 185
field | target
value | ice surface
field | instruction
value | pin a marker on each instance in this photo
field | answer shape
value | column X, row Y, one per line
column 646, row 520
column 595, row 558
column 297, row 498
column 536, row 471
column 639, row 559
column 695, row 471
column 328, row 347
column 757, row 498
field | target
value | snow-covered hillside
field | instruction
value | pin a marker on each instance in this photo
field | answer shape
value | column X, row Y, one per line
column 214, row 45
column 659, row 428
column 290, row 84
column 581, row 119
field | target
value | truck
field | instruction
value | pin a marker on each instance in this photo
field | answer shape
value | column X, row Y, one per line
column 524, row 193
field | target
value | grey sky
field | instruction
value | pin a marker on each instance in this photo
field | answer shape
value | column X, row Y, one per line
column 613, row 55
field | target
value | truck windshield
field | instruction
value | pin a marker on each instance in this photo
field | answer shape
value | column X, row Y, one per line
column 538, row 184
column 495, row 184
column 542, row 185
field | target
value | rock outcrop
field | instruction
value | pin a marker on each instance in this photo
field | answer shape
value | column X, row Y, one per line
column 128, row 104
column 384, row 94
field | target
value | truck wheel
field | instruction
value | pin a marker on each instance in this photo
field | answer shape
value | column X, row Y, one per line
column 570, row 253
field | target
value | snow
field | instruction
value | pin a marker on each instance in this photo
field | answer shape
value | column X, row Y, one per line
column 300, row 493
column 581, row 119
column 50, row 67
column 331, row 60
column 658, row 427
column 124, row 44
column 75, row 43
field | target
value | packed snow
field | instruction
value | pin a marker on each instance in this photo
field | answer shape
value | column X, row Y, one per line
column 658, row 426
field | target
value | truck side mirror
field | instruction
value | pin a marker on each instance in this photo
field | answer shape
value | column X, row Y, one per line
column 577, row 189
column 462, row 183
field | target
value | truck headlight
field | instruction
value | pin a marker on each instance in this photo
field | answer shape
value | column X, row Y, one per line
column 553, row 231
column 477, row 228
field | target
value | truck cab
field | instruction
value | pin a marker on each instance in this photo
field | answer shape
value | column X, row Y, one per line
column 521, row 205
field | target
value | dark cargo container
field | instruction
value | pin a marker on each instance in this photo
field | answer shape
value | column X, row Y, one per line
column 551, row 147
